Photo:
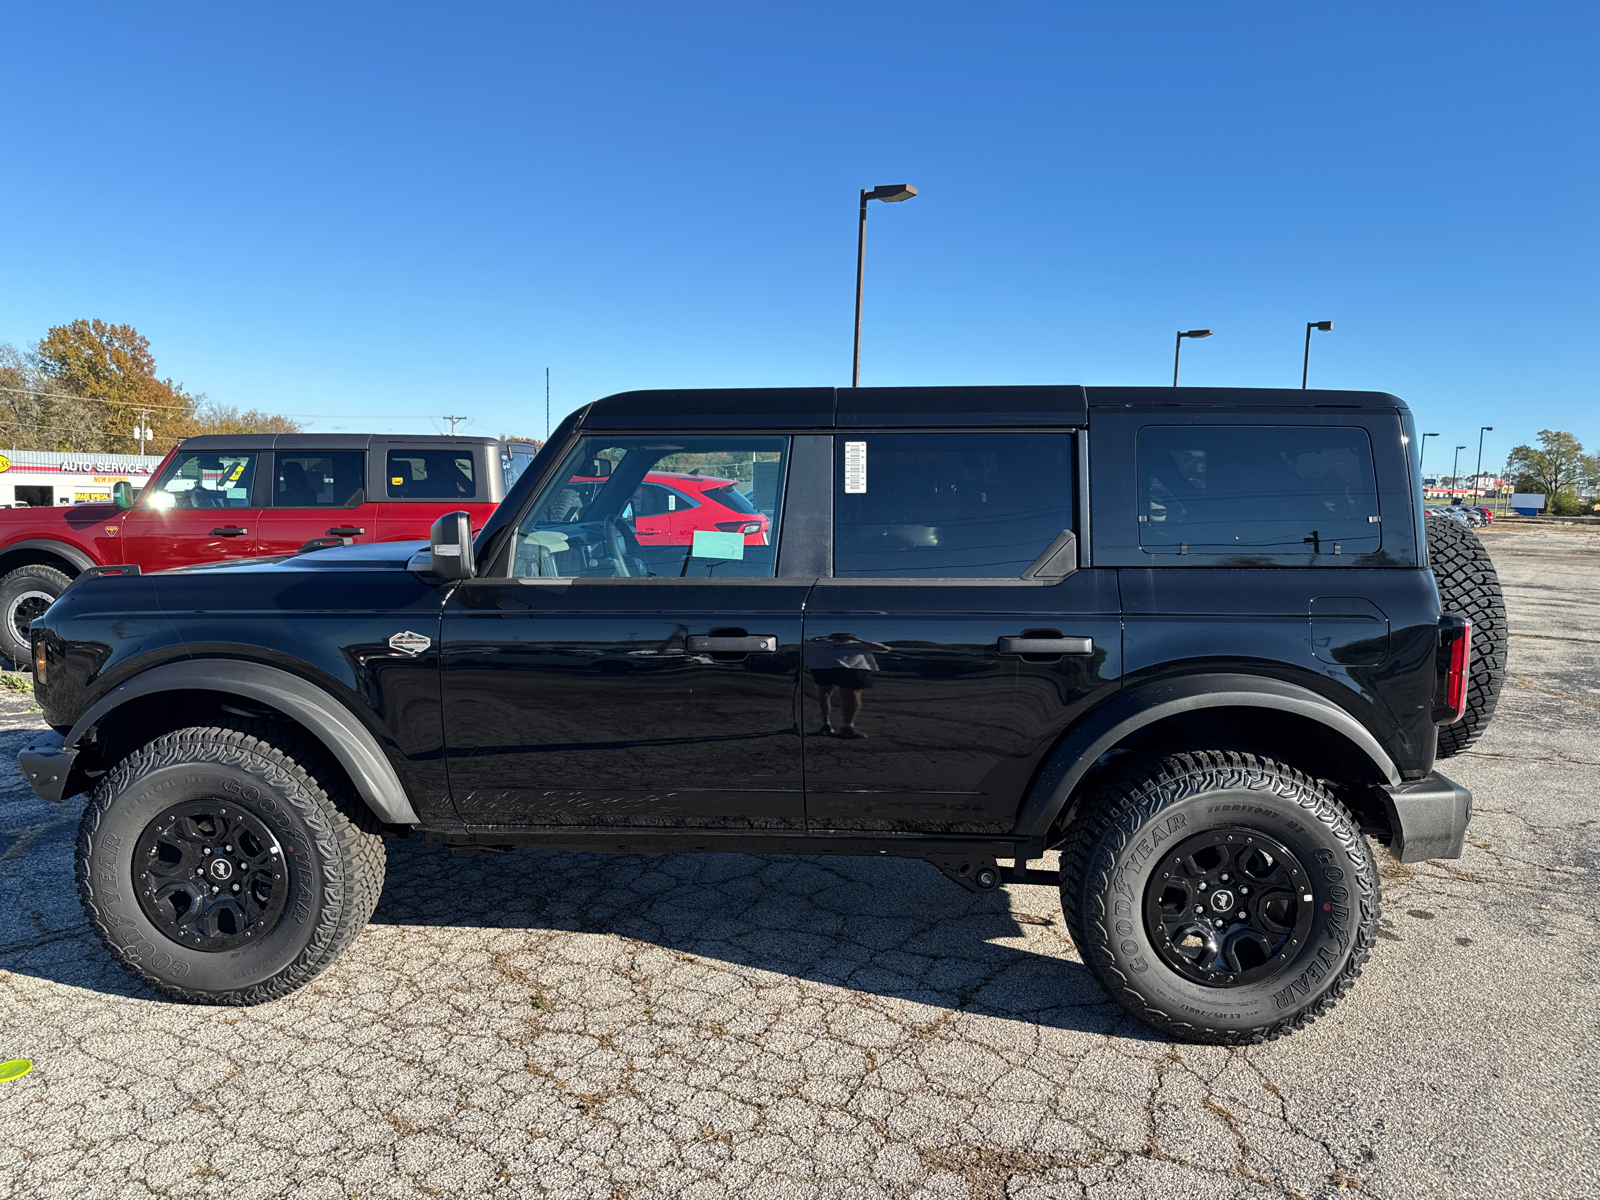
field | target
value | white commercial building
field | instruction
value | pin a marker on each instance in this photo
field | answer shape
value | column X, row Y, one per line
column 44, row 478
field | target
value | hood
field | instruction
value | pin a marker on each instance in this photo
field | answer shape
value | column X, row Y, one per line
column 370, row 556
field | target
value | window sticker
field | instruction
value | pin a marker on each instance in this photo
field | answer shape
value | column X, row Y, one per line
column 855, row 468
column 711, row 543
column 396, row 480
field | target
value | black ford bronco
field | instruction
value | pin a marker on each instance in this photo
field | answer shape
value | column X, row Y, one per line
column 1202, row 642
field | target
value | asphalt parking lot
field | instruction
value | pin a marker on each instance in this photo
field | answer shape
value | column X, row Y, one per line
column 543, row 1024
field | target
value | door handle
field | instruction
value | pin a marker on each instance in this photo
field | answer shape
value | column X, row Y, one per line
column 346, row 531
column 752, row 644
column 1045, row 645
column 229, row 531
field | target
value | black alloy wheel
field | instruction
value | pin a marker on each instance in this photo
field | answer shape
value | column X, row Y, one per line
column 228, row 865
column 210, row 875
column 1218, row 895
column 1228, row 906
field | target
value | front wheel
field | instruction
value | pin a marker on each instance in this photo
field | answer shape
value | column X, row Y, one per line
column 25, row 594
column 1219, row 896
column 226, row 868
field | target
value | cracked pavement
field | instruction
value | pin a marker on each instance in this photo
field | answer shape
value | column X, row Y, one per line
column 548, row 1024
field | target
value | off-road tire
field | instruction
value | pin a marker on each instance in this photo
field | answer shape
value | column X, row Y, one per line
column 1143, row 809
column 333, row 852
column 1469, row 586
column 20, row 588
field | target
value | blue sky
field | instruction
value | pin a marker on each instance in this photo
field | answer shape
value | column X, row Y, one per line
column 372, row 215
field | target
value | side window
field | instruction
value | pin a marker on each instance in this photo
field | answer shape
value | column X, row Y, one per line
column 431, row 474
column 1256, row 491
column 949, row 505
column 585, row 521
column 203, row 479
column 319, row 479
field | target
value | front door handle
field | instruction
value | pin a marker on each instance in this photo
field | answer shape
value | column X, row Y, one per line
column 346, row 531
column 229, row 531
column 699, row 643
column 1045, row 645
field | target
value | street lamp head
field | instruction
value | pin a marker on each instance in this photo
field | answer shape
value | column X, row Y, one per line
column 891, row 193
column 1325, row 326
column 1488, row 428
column 1197, row 333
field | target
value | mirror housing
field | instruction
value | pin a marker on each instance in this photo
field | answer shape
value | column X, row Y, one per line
column 450, row 546
column 122, row 494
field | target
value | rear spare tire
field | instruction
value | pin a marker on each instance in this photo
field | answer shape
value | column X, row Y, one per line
column 25, row 594
column 1469, row 587
column 1219, row 896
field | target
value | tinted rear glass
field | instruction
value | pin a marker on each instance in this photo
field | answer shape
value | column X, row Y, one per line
column 728, row 497
column 431, row 474
column 1257, row 491
column 949, row 505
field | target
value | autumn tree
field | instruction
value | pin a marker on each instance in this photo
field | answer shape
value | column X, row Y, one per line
column 210, row 417
column 37, row 413
column 111, row 366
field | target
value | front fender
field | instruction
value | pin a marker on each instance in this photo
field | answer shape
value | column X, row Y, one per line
column 1118, row 719
column 329, row 722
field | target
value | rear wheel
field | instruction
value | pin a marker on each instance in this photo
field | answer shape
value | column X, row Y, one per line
column 226, row 868
column 1470, row 587
column 25, row 594
column 1219, row 896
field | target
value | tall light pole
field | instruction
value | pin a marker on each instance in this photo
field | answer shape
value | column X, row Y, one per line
column 1481, row 431
column 1177, row 349
column 889, row 193
column 1305, row 367
column 1455, row 480
column 1423, row 452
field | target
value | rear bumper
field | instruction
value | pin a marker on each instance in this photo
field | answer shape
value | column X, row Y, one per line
column 45, row 765
column 1428, row 818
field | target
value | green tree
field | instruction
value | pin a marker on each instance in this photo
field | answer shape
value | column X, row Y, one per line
column 1558, row 468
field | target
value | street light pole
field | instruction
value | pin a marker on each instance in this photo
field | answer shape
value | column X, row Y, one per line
column 1455, row 479
column 1305, row 367
column 1177, row 349
column 1479, row 471
column 889, row 193
column 1422, row 453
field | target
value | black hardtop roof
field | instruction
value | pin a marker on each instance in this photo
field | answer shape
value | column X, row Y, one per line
column 844, row 408
column 327, row 441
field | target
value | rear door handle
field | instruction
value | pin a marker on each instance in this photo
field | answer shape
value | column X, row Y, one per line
column 346, row 531
column 1055, row 645
column 699, row 643
column 229, row 531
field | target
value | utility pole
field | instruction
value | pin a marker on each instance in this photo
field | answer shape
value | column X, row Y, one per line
column 547, row 404
column 453, row 421
column 141, row 428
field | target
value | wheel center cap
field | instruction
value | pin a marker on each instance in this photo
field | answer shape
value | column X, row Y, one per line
column 221, row 869
column 1222, row 901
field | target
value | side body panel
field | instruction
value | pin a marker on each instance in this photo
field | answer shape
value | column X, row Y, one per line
column 954, row 731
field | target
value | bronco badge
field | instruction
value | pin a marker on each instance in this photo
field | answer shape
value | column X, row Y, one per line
column 410, row 643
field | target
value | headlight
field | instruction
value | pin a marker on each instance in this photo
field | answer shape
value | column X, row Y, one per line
column 39, row 669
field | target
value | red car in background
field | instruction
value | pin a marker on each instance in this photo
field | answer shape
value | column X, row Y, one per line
column 669, row 506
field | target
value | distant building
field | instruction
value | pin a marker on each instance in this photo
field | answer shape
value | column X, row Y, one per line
column 45, row 478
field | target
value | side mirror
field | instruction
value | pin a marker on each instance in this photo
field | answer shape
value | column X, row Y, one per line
column 450, row 546
column 122, row 494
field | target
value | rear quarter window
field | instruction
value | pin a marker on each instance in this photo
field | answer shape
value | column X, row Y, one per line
column 430, row 474
column 1257, row 493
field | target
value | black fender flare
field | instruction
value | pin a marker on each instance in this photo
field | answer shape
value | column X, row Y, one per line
column 64, row 550
column 329, row 722
column 1114, row 721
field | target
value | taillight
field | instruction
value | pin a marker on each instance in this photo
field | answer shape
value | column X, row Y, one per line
column 1455, row 670
column 739, row 526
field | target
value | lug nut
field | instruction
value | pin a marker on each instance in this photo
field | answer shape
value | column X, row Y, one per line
column 213, row 891
column 1199, row 908
column 229, row 849
column 1202, row 886
column 1244, row 891
column 1224, row 878
column 1217, row 922
column 236, row 888
column 207, row 850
